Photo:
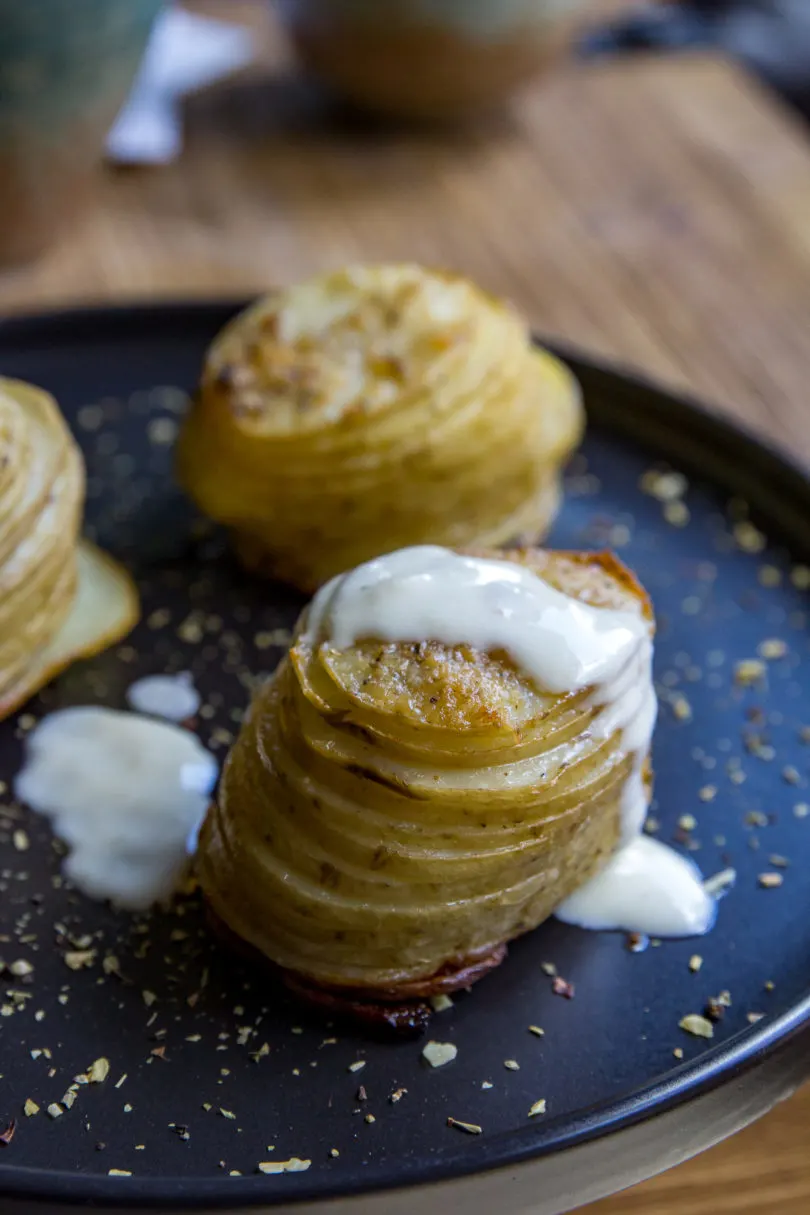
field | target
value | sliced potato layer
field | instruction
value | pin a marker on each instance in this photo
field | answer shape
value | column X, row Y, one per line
column 59, row 600
column 374, row 408
column 391, row 813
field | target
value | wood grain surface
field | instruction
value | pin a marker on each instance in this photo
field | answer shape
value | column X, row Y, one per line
column 657, row 212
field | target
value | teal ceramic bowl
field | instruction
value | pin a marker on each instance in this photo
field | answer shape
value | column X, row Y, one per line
column 66, row 67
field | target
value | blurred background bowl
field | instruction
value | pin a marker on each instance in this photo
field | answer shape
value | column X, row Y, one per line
column 66, row 67
column 428, row 59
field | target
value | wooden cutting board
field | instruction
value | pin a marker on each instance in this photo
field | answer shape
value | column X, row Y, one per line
column 657, row 212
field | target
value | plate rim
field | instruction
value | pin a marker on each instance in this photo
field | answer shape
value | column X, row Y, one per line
column 714, row 431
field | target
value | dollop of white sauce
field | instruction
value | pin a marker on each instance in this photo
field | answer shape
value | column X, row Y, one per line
column 126, row 793
column 431, row 593
column 173, row 697
column 645, row 887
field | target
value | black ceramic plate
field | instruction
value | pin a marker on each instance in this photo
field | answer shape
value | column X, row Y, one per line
column 627, row 1091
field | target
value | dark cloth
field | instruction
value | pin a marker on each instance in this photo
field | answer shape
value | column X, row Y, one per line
column 770, row 37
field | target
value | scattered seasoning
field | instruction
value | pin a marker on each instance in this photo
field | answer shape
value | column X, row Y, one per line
column 716, row 1006
column 21, row 968
column 21, row 841
column 334, row 1153
column 55, row 1110
column 30, row 1108
column 361, row 1094
column 118, row 1173
column 148, row 998
column 678, row 1052
column 687, row 822
column 294, row 1165
column 773, row 647
column 369, row 1118
column 779, row 862
column 665, row 486
column 539, row 1107
column 681, row 708
column 695, row 963
column 511, row 1065
column 397, row 1095
column 437, row 1054
column 79, row 959
column 753, row 1017
column 357, row 1066
column 470, row 1128
column 699, row 1027
column 801, row 810
column 548, row 968
column 441, row 1003
column 537, row 1031
column 748, row 672
column 715, row 1009
column 755, row 818
column 676, row 514
column 98, row 1071
column 486, row 1084
column 7, row 1135
column 561, row 987
column 708, row 793
column 749, row 538
column 770, row 880
column 226, row 1113
column 791, row 775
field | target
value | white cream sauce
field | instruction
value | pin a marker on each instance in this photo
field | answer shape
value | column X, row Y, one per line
column 431, row 593
column 126, row 793
column 172, row 697
column 645, row 887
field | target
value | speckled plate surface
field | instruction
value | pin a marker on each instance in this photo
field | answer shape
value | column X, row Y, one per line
column 210, row 1066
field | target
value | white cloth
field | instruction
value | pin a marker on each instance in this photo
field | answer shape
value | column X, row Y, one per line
column 185, row 52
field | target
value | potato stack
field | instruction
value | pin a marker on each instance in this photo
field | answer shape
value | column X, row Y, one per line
column 392, row 813
column 59, row 599
column 373, row 408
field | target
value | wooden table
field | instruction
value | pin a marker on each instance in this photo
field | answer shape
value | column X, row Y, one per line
column 655, row 212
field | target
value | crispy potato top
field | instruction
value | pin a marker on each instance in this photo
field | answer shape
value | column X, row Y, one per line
column 348, row 343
